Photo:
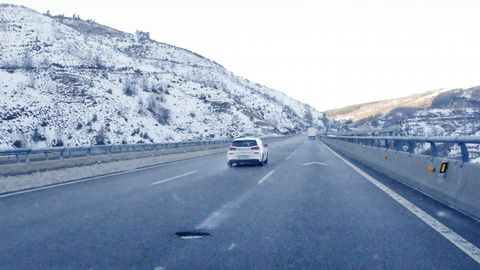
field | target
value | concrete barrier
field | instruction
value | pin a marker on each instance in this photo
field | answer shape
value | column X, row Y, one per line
column 458, row 187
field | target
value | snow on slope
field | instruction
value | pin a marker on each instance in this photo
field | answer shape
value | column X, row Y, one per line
column 362, row 111
column 74, row 82
column 448, row 113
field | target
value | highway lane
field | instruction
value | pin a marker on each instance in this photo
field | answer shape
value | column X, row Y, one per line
column 71, row 225
column 321, row 217
column 286, row 214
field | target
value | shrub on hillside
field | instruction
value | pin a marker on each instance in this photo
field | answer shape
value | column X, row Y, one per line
column 308, row 117
column 98, row 62
column 101, row 137
column 141, row 36
column 37, row 136
column 161, row 114
column 27, row 62
column 18, row 144
column 58, row 143
column 129, row 88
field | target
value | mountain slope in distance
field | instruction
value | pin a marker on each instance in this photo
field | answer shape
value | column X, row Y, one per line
column 71, row 82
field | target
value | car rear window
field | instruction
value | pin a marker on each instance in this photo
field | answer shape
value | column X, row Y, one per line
column 244, row 143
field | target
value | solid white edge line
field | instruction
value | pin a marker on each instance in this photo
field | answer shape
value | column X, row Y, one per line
column 266, row 176
column 173, row 178
column 433, row 198
column 460, row 242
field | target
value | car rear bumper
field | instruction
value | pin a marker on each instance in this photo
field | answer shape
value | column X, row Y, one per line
column 244, row 158
column 245, row 161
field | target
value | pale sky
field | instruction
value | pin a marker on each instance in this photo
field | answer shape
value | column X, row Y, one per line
column 325, row 53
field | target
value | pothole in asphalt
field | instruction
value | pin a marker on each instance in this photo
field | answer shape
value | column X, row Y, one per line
column 188, row 235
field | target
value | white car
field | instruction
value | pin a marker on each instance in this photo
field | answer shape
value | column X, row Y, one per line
column 247, row 150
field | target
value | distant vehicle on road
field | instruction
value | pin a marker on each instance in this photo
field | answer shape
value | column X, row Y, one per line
column 247, row 150
column 312, row 133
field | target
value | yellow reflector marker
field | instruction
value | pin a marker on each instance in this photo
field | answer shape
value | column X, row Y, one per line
column 443, row 167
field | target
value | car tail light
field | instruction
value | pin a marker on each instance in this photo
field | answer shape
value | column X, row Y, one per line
column 232, row 148
column 255, row 148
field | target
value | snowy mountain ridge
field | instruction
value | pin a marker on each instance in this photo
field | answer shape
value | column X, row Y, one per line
column 68, row 82
column 438, row 113
column 361, row 111
column 441, row 113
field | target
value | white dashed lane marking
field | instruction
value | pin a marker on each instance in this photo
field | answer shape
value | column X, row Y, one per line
column 173, row 178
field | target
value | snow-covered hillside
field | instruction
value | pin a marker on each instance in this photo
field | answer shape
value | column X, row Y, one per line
column 66, row 81
column 447, row 113
column 361, row 111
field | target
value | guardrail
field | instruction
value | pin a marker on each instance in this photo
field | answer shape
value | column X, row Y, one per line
column 398, row 143
column 26, row 154
column 372, row 132
column 25, row 161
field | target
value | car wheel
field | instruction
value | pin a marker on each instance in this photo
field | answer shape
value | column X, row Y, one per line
column 266, row 160
column 230, row 164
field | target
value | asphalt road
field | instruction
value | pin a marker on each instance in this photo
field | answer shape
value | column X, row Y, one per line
column 289, row 214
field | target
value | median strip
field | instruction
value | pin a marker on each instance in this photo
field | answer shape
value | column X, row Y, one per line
column 173, row 178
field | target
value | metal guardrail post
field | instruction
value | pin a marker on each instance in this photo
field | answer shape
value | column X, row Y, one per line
column 463, row 148
column 433, row 149
column 397, row 145
column 411, row 147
